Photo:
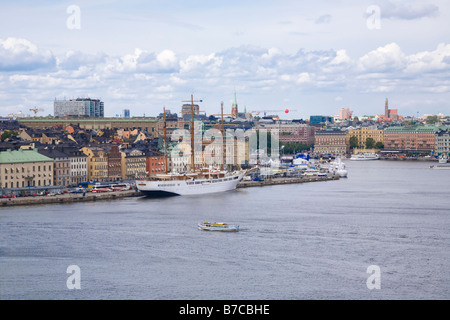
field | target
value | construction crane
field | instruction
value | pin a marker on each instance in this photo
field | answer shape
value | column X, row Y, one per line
column 36, row 110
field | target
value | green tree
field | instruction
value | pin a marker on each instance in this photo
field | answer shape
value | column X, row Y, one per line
column 8, row 134
column 370, row 143
column 379, row 145
column 292, row 148
column 432, row 119
column 353, row 142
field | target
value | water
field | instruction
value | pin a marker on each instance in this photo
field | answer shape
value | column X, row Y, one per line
column 302, row 241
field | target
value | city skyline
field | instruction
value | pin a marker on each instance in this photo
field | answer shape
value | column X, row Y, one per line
column 307, row 57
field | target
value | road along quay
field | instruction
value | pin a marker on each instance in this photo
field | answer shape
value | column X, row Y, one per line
column 91, row 196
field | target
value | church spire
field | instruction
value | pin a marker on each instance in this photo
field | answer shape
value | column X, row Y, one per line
column 234, row 107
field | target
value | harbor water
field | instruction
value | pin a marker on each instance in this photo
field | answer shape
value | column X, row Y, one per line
column 297, row 241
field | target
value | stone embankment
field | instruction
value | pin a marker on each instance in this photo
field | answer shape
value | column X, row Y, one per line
column 276, row 181
column 68, row 197
column 91, row 196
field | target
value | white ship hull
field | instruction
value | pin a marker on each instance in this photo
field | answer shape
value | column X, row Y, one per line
column 161, row 188
column 364, row 157
column 441, row 167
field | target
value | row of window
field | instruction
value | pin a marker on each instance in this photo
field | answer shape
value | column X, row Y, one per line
column 11, row 170
column 12, row 177
column 28, row 184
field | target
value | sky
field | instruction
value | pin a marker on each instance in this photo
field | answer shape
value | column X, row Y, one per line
column 311, row 57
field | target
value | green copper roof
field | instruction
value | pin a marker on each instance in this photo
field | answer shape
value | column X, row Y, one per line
column 416, row 129
column 17, row 156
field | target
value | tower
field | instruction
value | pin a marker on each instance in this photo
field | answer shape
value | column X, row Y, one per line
column 234, row 107
column 386, row 109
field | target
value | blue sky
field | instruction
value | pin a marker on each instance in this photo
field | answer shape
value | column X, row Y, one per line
column 312, row 57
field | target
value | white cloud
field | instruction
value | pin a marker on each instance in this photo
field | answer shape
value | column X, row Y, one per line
column 20, row 55
column 133, row 78
column 201, row 64
column 142, row 61
column 429, row 61
column 407, row 10
column 389, row 58
column 73, row 60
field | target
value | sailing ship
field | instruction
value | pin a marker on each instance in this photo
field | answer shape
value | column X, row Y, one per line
column 194, row 181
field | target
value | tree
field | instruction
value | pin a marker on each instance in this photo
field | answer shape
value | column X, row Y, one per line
column 379, row 145
column 370, row 143
column 292, row 148
column 8, row 134
column 353, row 142
column 432, row 119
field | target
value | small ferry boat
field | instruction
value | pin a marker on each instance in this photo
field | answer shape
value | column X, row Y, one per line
column 365, row 156
column 218, row 226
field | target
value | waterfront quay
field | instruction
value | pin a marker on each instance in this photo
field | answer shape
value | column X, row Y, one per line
column 68, row 197
column 90, row 196
column 286, row 180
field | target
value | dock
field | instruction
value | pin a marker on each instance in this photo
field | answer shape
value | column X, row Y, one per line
column 285, row 180
column 68, row 198
column 91, row 196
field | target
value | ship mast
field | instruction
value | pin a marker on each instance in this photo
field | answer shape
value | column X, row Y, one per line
column 165, row 141
column 223, row 135
column 192, row 131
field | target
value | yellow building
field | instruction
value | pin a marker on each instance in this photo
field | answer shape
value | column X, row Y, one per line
column 25, row 168
column 97, row 163
column 363, row 133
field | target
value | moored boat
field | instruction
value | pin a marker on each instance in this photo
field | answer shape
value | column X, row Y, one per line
column 203, row 182
column 365, row 156
column 218, row 226
column 441, row 166
column 338, row 167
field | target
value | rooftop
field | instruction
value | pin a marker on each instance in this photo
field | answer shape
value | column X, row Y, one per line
column 417, row 129
column 19, row 156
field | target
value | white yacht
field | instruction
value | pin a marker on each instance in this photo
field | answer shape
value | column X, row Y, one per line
column 365, row 156
column 338, row 167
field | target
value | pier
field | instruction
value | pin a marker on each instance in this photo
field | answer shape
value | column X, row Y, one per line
column 285, row 180
column 68, row 197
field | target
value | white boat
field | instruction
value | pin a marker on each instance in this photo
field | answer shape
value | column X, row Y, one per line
column 365, row 156
column 443, row 159
column 442, row 164
column 441, row 167
column 218, row 226
column 338, row 167
column 202, row 182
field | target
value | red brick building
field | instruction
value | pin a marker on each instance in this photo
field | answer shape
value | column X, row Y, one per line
column 155, row 163
column 410, row 139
